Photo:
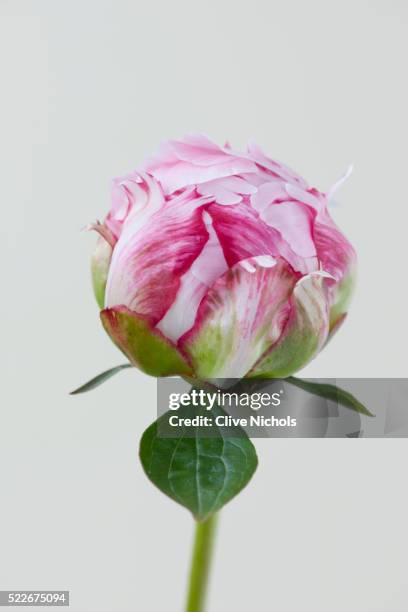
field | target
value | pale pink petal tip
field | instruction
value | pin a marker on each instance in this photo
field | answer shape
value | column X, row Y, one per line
column 340, row 182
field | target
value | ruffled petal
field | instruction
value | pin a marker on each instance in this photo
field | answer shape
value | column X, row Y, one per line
column 146, row 200
column 293, row 219
column 228, row 190
column 311, row 197
column 193, row 160
column 239, row 318
column 304, row 334
column 143, row 345
column 131, row 193
column 278, row 169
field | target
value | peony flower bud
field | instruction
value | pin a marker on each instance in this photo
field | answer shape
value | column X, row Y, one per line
column 220, row 264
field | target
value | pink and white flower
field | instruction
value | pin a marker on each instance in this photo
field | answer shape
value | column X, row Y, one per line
column 214, row 263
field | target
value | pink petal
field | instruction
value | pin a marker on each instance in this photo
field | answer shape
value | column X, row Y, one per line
column 147, row 265
column 228, row 190
column 194, row 284
column 243, row 234
column 126, row 192
column 335, row 252
column 194, row 160
column 311, row 197
column 338, row 258
column 181, row 174
column 284, row 172
column 198, row 149
column 304, row 333
column 340, row 182
column 268, row 193
column 295, row 222
column 240, row 317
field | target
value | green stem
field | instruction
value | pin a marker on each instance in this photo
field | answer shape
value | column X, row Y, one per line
column 200, row 564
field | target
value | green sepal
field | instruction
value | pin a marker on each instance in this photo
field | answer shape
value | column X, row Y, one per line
column 145, row 346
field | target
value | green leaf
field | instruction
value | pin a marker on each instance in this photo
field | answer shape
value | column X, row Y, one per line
column 200, row 473
column 101, row 378
column 331, row 392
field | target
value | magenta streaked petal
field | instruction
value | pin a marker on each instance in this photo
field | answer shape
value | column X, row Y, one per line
column 147, row 265
column 337, row 257
column 243, row 234
column 304, row 334
column 194, row 284
column 239, row 318
column 181, row 313
column 335, row 253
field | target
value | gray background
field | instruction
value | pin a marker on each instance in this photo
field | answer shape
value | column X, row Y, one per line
column 88, row 89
